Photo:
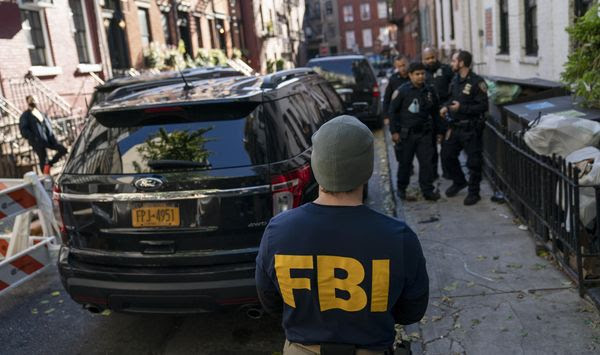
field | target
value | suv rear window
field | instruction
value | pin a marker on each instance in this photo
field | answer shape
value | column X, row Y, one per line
column 344, row 72
column 169, row 142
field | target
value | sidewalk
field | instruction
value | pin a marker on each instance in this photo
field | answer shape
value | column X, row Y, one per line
column 489, row 291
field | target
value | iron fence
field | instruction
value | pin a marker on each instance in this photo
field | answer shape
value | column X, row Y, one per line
column 545, row 194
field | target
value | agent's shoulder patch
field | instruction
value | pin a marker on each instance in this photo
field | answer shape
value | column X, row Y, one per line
column 395, row 94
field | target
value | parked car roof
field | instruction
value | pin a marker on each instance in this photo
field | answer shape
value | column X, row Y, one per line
column 116, row 83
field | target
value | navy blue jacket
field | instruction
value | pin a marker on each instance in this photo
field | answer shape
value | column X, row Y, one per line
column 341, row 274
column 471, row 93
column 427, row 115
column 39, row 134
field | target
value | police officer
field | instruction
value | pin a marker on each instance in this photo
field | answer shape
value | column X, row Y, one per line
column 439, row 76
column 466, row 106
column 414, row 124
column 341, row 273
column 399, row 77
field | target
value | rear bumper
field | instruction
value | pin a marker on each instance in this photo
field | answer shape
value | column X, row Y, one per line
column 158, row 290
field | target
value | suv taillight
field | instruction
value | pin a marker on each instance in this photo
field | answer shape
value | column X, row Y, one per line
column 376, row 90
column 287, row 189
column 58, row 210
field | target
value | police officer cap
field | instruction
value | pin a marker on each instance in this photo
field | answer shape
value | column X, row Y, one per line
column 342, row 155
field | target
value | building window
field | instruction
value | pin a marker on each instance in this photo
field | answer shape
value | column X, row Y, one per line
column 451, row 20
column 382, row 11
column 582, row 6
column 165, row 21
column 36, row 38
column 348, row 13
column 80, row 31
column 531, row 42
column 328, row 7
column 367, row 35
column 144, row 27
column 350, row 40
column 384, row 36
column 443, row 30
column 199, row 32
column 318, row 9
column 504, row 41
column 365, row 11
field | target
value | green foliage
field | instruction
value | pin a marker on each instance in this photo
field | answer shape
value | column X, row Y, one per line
column 582, row 70
column 177, row 145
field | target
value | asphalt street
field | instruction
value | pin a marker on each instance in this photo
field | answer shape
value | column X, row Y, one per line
column 40, row 318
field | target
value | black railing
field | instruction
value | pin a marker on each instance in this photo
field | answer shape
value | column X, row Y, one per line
column 545, row 194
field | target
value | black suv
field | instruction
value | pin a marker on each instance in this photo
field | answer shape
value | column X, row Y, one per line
column 167, row 191
column 353, row 78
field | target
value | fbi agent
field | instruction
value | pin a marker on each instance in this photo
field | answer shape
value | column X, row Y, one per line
column 464, row 110
column 342, row 273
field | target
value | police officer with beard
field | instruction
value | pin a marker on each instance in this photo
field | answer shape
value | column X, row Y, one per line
column 439, row 76
column 414, row 124
column 464, row 110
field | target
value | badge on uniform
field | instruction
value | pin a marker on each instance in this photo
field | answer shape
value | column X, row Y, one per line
column 414, row 106
column 483, row 86
column 467, row 89
column 438, row 73
column 395, row 94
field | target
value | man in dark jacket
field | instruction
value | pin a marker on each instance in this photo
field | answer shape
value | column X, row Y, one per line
column 439, row 76
column 466, row 106
column 37, row 129
column 399, row 77
column 342, row 273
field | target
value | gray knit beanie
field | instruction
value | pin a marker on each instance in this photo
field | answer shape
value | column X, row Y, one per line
column 342, row 155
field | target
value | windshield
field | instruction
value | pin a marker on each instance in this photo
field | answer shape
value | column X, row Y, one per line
column 167, row 143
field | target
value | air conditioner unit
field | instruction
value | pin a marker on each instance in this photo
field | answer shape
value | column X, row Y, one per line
column 35, row 4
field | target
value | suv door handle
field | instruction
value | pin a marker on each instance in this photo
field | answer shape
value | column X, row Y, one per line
column 158, row 246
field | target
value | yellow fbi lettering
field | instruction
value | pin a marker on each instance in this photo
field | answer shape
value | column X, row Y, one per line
column 327, row 283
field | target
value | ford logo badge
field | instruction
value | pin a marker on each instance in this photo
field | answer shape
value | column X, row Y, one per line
column 148, row 184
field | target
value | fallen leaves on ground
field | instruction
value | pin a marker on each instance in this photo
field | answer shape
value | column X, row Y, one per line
column 451, row 287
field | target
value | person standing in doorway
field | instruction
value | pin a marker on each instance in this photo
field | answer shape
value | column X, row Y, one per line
column 465, row 109
column 37, row 129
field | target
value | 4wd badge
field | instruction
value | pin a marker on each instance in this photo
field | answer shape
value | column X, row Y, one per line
column 148, row 183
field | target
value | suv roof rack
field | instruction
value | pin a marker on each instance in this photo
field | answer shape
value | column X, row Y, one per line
column 272, row 80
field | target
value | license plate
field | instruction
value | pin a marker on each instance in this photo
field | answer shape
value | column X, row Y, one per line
column 162, row 216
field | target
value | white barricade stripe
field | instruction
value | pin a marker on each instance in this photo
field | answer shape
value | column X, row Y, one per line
column 14, row 201
column 22, row 266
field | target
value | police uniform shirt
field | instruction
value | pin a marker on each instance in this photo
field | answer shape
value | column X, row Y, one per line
column 413, row 107
column 471, row 93
column 439, row 76
column 344, row 274
column 396, row 80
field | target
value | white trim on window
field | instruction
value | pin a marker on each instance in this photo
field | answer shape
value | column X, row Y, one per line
column 38, row 70
column 35, row 5
column 89, row 68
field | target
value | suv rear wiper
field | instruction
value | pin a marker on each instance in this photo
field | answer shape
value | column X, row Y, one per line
column 174, row 164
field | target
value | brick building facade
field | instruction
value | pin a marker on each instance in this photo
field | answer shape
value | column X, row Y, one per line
column 405, row 14
column 364, row 26
column 56, row 41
